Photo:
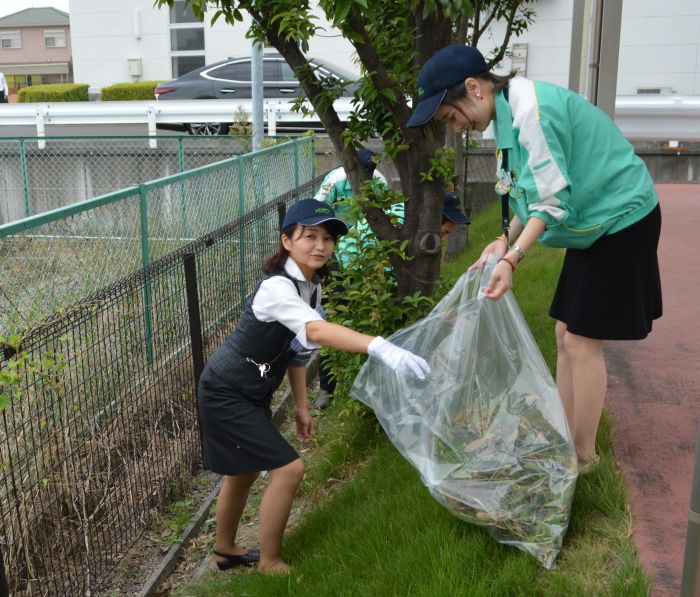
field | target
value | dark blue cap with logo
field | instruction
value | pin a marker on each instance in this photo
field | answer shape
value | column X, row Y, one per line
column 451, row 210
column 309, row 212
column 444, row 69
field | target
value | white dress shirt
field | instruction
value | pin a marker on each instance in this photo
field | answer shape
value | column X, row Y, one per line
column 278, row 300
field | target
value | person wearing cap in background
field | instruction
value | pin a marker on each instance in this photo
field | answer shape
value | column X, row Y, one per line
column 336, row 186
column 574, row 182
column 237, row 384
column 334, row 190
column 451, row 217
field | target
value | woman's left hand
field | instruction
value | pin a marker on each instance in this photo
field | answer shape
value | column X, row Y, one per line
column 498, row 247
column 501, row 280
column 305, row 423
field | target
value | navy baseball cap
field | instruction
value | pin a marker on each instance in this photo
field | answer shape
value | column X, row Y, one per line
column 309, row 212
column 366, row 159
column 446, row 68
column 451, row 211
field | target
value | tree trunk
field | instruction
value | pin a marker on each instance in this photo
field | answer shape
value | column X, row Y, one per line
column 422, row 219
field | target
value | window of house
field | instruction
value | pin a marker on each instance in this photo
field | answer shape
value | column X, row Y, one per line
column 55, row 38
column 182, row 14
column 10, row 40
column 186, row 39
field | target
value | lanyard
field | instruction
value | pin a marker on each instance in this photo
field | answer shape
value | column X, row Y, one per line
column 505, row 211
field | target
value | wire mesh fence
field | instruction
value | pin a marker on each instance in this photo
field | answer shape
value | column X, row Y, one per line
column 38, row 174
column 51, row 260
column 101, row 424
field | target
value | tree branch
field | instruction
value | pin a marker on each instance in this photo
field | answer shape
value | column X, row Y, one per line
column 509, row 31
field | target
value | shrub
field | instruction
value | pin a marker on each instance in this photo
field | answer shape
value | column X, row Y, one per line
column 63, row 92
column 363, row 295
column 123, row 92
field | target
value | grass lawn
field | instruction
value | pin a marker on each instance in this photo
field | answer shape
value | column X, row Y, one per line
column 382, row 533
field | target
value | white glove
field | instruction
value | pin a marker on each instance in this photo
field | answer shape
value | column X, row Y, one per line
column 400, row 360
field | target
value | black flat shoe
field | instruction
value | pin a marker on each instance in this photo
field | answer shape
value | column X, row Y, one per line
column 252, row 556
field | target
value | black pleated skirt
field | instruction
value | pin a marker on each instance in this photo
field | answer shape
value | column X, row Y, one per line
column 239, row 437
column 612, row 290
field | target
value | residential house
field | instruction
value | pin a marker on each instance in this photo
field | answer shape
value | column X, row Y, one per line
column 35, row 47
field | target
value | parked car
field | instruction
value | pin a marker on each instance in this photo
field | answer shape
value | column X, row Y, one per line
column 231, row 79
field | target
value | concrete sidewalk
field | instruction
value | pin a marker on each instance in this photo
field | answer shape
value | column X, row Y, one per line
column 653, row 397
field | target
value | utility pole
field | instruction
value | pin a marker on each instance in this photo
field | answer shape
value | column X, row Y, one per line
column 256, row 76
column 595, row 39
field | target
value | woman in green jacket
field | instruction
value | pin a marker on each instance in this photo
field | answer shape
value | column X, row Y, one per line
column 573, row 181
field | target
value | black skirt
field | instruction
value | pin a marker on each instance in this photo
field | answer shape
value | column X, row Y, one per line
column 612, row 290
column 239, row 437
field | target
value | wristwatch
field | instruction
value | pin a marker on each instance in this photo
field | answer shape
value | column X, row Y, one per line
column 519, row 251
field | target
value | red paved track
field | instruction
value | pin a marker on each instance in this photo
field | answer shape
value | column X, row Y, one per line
column 653, row 391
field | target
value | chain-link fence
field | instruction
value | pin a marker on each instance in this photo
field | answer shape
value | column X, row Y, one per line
column 102, row 422
column 38, row 174
column 50, row 260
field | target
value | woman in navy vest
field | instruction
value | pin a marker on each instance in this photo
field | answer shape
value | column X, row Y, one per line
column 240, row 378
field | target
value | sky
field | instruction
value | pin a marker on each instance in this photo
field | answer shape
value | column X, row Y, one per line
column 7, row 7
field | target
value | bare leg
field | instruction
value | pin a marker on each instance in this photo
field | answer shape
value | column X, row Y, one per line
column 275, row 506
column 229, row 509
column 590, row 381
column 565, row 384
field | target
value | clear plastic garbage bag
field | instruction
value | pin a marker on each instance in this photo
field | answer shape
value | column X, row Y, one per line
column 486, row 429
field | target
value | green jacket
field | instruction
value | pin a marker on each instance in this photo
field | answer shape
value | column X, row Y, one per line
column 570, row 165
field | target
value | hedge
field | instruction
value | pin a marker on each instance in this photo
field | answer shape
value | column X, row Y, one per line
column 120, row 92
column 60, row 92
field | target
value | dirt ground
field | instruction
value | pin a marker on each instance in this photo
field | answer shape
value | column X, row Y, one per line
column 195, row 561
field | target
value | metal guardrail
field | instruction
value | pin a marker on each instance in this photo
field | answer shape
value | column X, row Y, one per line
column 151, row 113
column 663, row 117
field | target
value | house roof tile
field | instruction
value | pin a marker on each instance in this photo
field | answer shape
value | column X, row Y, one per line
column 36, row 17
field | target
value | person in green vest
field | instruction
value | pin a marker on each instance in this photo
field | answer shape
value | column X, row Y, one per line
column 573, row 181
column 336, row 186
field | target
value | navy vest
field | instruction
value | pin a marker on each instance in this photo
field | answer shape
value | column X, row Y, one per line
column 255, row 356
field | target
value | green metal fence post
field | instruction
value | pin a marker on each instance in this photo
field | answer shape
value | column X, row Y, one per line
column 241, row 235
column 296, row 162
column 183, row 194
column 25, row 177
column 313, row 157
column 145, row 260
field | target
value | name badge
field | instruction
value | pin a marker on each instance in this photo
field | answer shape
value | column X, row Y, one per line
column 504, row 182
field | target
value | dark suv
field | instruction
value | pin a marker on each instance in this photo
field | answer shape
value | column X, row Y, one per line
column 231, row 79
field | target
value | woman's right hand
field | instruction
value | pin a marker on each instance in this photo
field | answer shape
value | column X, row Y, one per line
column 498, row 247
column 399, row 359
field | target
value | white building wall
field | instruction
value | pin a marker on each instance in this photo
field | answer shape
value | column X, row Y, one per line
column 105, row 34
column 548, row 42
column 659, row 45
